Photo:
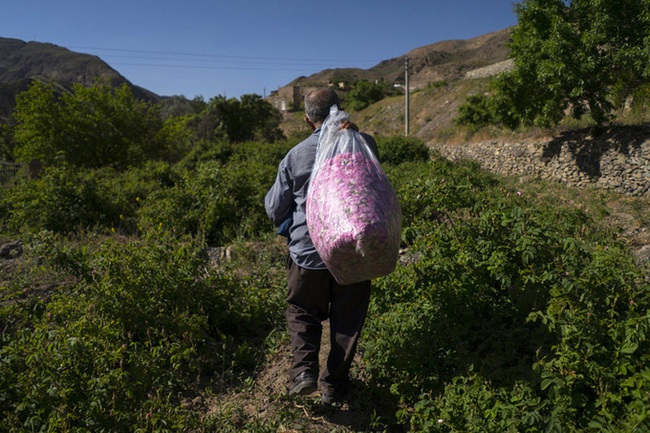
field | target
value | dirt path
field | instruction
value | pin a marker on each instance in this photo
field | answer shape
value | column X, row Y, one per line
column 266, row 398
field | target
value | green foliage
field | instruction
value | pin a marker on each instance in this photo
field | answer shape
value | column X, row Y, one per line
column 365, row 93
column 123, row 193
column 582, row 56
column 247, row 119
column 91, row 127
column 476, row 112
column 396, row 150
column 216, row 192
column 641, row 99
column 180, row 106
column 61, row 200
column 6, row 143
column 437, row 84
column 144, row 323
column 433, row 189
column 504, row 314
column 215, row 201
column 507, row 315
column 67, row 199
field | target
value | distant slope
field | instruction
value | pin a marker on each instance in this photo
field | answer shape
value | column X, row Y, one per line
column 446, row 60
column 456, row 67
column 23, row 62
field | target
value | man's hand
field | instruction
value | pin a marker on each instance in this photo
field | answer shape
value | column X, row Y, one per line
column 346, row 124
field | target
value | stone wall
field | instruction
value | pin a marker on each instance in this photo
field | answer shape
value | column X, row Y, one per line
column 618, row 159
column 490, row 71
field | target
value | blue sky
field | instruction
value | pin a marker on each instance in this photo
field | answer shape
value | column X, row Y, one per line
column 231, row 48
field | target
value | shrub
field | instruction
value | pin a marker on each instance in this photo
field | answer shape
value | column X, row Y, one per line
column 62, row 200
column 124, row 192
column 90, row 127
column 66, row 199
column 509, row 316
column 363, row 94
column 217, row 202
column 116, row 351
column 430, row 190
column 476, row 112
column 396, row 150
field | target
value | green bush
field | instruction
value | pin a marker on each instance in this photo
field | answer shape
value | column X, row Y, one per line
column 219, row 199
column 116, row 351
column 217, row 202
column 124, row 192
column 67, row 199
column 509, row 317
column 90, row 127
column 430, row 190
column 396, row 150
column 641, row 99
column 363, row 94
column 63, row 200
column 476, row 112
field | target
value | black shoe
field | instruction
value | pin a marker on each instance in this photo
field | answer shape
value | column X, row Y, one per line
column 334, row 397
column 303, row 384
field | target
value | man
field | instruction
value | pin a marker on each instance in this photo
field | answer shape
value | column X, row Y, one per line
column 313, row 293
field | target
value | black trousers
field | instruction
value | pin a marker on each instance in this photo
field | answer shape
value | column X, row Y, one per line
column 315, row 296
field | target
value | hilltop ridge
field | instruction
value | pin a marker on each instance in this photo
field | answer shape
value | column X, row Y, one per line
column 22, row 63
column 445, row 60
column 445, row 71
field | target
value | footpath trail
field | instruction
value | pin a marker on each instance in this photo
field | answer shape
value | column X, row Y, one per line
column 266, row 399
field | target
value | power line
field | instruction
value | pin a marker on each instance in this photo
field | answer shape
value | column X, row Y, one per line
column 213, row 64
column 158, row 65
column 173, row 53
column 244, row 61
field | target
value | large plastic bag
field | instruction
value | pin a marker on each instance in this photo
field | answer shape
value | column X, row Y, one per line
column 353, row 215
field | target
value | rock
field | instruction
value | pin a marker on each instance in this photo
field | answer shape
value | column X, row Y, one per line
column 215, row 255
column 600, row 161
column 643, row 255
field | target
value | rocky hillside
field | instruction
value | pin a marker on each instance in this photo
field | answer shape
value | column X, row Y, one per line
column 441, row 76
column 23, row 62
column 446, row 60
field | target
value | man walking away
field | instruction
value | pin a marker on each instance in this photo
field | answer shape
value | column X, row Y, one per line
column 313, row 293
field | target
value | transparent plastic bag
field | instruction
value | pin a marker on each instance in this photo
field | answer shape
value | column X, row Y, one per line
column 353, row 215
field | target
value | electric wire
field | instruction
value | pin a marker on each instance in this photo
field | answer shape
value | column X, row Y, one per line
column 235, row 62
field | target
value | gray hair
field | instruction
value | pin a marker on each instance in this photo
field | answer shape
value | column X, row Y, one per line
column 318, row 103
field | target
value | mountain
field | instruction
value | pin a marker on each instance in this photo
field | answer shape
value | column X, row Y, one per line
column 22, row 62
column 444, row 68
column 446, row 60
column 450, row 60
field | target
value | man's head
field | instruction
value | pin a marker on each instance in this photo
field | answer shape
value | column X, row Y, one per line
column 318, row 103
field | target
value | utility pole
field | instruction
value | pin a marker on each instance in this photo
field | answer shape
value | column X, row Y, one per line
column 406, row 91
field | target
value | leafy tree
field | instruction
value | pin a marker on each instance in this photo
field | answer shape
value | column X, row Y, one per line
column 178, row 106
column 261, row 117
column 90, row 126
column 247, row 119
column 363, row 94
column 475, row 111
column 571, row 56
column 38, row 119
